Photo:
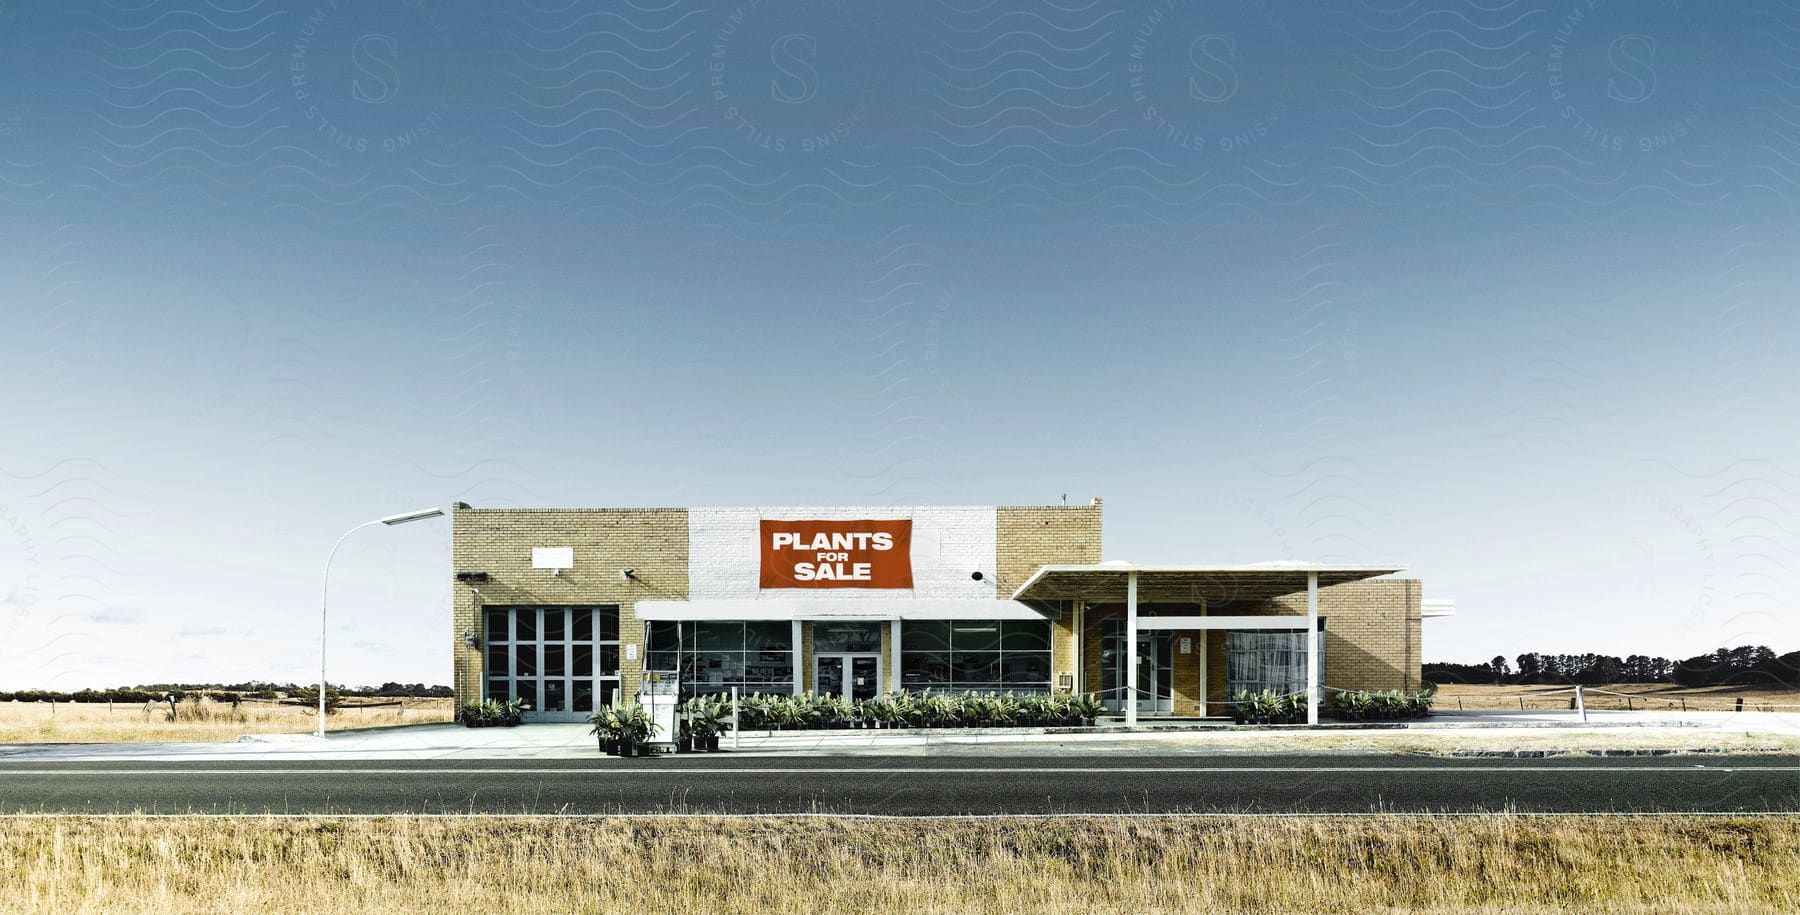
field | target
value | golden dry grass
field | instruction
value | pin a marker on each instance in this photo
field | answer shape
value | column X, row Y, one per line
column 1671, row 864
column 69, row 722
column 1652, row 696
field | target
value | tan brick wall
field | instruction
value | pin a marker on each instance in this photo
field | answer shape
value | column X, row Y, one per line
column 1029, row 536
column 1062, row 648
column 888, row 672
column 652, row 541
column 806, row 657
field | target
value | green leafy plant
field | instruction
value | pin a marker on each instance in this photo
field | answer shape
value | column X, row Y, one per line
column 706, row 719
column 1087, row 707
column 1382, row 705
column 1267, row 707
column 605, row 724
column 634, row 723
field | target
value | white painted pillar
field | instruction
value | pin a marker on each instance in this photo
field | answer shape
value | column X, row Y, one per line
column 894, row 657
column 1130, row 659
column 1312, row 648
column 1202, row 640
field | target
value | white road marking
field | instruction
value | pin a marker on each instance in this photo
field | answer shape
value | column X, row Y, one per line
column 901, row 770
column 1483, row 814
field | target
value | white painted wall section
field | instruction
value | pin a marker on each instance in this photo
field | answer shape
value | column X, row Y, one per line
column 948, row 545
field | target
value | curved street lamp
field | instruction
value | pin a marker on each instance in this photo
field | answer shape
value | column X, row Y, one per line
column 325, row 599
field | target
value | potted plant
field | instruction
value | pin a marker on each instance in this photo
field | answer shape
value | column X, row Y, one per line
column 635, row 730
column 1086, row 708
column 513, row 712
column 606, row 728
column 705, row 720
column 469, row 714
column 487, row 713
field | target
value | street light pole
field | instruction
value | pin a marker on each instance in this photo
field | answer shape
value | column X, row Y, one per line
column 325, row 591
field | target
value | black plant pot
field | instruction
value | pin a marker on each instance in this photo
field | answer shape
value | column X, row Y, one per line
column 608, row 746
column 684, row 745
column 712, row 743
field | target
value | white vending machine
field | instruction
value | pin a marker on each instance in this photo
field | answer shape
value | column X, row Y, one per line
column 659, row 694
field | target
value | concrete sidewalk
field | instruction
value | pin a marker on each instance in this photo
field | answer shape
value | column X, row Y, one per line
column 554, row 741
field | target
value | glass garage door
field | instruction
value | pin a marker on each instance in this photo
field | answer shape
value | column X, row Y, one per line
column 563, row 661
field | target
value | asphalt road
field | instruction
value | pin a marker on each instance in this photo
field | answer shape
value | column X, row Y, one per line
column 913, row 785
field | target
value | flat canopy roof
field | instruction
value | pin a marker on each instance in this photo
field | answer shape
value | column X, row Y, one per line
column 1104, row 582
column 857, row 608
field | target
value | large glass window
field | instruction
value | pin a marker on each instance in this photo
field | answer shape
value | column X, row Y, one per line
column 1256, row 660
column 834, row 638
column 713, row 657
column 550, row 657
column 964, row 655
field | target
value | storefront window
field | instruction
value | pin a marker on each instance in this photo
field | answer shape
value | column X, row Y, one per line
column 556, row 658
column 713, row 657
column 976, row 655
column 846, row 637
column 1271, row 660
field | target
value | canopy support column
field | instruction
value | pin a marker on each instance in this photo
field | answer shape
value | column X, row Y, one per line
column 1203, row 648
column 1312, row 648
column 1130, row 659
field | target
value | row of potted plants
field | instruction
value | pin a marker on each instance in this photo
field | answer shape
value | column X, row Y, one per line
column 908, row 709
column 1267, row 707
column 1270, row 707
column 1381, row 705
column 492, row 713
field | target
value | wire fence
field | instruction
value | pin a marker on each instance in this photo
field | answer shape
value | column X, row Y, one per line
column 304, row 706
column 1560, row 698
column 1597, row 699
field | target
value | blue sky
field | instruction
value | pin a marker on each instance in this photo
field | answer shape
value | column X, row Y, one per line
column 1499, row 292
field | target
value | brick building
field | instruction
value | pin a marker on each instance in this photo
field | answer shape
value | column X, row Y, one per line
column 567, row 608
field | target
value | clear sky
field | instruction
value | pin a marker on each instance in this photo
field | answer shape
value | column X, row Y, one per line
column 1503, row 293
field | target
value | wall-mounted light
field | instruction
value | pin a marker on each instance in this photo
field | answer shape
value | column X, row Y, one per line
column 627, row 574
column 976, row 575
column 472, row 640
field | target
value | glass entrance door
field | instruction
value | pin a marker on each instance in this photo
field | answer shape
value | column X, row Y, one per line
column 1154, row 656
column 850, row 676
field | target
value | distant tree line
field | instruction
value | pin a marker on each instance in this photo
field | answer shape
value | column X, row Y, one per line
column 1748, row 665
column 225, row 692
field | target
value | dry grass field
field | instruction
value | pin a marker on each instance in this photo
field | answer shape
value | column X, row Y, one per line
column 964, row 866
column 71, row 722
column 1652, row 696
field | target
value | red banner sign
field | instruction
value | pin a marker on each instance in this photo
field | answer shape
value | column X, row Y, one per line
column 837, row 554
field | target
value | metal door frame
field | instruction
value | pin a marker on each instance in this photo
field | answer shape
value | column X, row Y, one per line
column 846, row 658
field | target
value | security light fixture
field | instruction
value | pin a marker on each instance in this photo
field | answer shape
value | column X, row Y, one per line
column 627, row 574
